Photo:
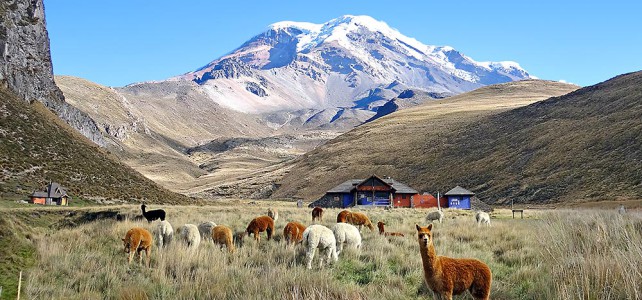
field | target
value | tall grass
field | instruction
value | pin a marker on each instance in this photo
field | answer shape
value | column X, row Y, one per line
column 594, row 255
column 545, row 256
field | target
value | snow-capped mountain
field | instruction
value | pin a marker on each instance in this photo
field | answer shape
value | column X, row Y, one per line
column 350, row 63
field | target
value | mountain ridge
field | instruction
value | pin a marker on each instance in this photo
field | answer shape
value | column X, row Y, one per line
column 332, row 64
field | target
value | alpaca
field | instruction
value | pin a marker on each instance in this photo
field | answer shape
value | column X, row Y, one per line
column 482, row 217
column 293, row 233
column 138, row 239
column 437, row 215
column 222, row 235
column 317, row 214
column 358, row 219
column 621, row 210
column 346, row 233
column 190, row 235
column 319, row 236
column 273, row 213
column 343, row 216
column 260, row 224
column 153, row 214
column 164, row 233
column 205, row 229
column 382, row 230
column 447, row 276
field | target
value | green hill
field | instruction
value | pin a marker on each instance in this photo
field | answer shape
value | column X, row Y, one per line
column 585, row 145
column 37, row 147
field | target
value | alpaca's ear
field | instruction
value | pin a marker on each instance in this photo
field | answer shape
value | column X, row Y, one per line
column 418, row 228
column 430, row 226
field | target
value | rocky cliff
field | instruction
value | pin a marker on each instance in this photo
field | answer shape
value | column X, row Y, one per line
column 25, row 63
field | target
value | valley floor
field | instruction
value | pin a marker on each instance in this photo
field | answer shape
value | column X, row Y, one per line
column 550, row 254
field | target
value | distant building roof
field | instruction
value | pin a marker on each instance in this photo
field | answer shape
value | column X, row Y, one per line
column 38, row 194
column 347, row 186
column 459, row 191
column 52, row 190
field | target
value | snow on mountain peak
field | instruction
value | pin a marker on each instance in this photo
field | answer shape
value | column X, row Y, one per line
column 339, row 63
column 304, row 26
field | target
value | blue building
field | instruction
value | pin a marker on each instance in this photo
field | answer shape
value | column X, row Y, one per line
column 459, row 197
column 373, row 191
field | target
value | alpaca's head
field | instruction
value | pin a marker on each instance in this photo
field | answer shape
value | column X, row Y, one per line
column 424, row 235
column 380, row 226
column 126, row 244
column 143, row 206
column 238, row 238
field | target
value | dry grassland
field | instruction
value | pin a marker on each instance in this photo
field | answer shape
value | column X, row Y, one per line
column 560, row 254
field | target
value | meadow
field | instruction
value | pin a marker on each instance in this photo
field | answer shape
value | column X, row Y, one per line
column 551, row 254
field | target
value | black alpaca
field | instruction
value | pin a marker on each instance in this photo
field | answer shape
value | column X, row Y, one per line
column 153, row 214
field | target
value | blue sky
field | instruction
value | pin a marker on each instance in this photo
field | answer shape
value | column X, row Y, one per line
column 118, row 42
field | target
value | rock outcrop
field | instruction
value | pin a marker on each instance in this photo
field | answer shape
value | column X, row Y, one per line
column 25, row 63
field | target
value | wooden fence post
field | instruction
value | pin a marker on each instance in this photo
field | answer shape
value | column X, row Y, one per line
column 19, row 284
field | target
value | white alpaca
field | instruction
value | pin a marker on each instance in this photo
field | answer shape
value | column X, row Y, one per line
column 273, row 213
column 621, row 210
column 319, row 236
column 190, row 235
column 482, row 217
column 205, row 229
column 346, row 233
column 435, row 215
column 163, row 233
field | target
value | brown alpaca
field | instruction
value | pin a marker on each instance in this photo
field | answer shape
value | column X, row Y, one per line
column 382, row 230
column 317, row 214
column 293, row 233
column 448, row 276
column 260, row 224
column 358, row 219
column 222, row 235
column 343, row 216
column 136, row 240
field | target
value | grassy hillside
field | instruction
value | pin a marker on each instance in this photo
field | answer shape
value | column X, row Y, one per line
column 586, row 145
column 37, row 148
column 417, row 146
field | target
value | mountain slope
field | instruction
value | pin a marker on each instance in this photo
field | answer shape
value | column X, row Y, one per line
column 187, row 143
column 421, row 146
column 38, row 147
column 296, row 65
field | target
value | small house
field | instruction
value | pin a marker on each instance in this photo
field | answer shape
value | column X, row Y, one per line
column 459, row 197
column 53, row 194
column 373, row 191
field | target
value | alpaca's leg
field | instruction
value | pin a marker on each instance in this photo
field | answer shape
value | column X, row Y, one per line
column 140, row 256
column 148, row 255
column 322, row 255
column 130, row 257
column 328, row 256
column 309, row 255
column 447, row 295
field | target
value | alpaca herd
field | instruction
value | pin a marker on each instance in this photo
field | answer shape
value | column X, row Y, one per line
column 444, row 276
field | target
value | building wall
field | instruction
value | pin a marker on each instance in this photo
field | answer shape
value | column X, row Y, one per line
column 428, row 201
column 461, row 202
column 401, row 200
